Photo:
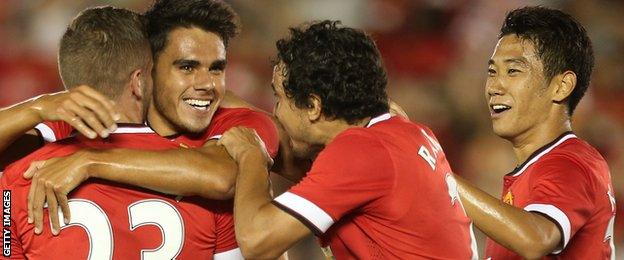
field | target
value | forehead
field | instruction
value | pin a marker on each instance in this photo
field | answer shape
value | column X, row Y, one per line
column 194, row 43
column 511, row 48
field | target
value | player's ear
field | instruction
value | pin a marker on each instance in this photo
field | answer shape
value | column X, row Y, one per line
column 564, row 85
column 136, row 84
column 314, row 107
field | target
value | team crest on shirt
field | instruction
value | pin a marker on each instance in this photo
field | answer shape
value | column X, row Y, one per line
column 508, row 198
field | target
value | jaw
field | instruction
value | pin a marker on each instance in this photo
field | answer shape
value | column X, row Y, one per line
column 194, row 120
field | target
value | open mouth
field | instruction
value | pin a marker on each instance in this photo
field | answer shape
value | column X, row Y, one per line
column 198, row 104
column 499, row 108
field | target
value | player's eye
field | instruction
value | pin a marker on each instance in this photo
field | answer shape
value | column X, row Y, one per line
column 513, row 71
column 491, row 72
column 186, row 68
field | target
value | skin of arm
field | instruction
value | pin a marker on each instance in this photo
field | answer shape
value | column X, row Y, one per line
column 531, row 235
column 262, row 229
column 207, row 172
column 85, row 109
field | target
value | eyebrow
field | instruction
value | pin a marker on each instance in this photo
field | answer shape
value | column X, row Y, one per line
column 185, row 62
column 521, row 61
column 220, row 64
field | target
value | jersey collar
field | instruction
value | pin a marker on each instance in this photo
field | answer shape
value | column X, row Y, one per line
column 541, row 152
column 378, row 119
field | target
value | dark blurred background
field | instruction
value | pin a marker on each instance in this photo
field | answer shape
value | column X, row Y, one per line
column 435, row 51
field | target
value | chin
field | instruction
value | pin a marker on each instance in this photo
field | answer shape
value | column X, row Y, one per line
column 503, row 132
column 196, row 128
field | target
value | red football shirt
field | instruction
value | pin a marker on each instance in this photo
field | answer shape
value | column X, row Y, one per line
column 383, row 192
column 224, row 119
column 568, row 181
column 118, row 221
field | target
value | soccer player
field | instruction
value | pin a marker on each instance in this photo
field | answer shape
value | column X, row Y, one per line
column 114, row 221
column 558, row 202
column 381, row 188
column 188, row 88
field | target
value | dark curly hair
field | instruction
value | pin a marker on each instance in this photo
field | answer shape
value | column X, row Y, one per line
column 560, row 41
column 339, row 64
column 210, row 15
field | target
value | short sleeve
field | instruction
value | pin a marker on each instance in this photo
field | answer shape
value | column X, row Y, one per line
column 354, row 170
column 259, row 121
column 562, row 190
column 52, row 131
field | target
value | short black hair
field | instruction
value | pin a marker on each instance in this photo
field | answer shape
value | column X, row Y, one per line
column 560, row 41
column 101, row 48
column 209, row 15
column 339, row 64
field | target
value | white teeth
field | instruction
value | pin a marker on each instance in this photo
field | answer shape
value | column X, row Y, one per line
column 198, row 103
column 500, row 107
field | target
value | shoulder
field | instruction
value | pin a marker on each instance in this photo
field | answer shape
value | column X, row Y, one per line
column 355, row 148
column 575, row 152
column 240, row 113
column 574, row 161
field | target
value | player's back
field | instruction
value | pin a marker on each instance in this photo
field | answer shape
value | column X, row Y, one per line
column 118, row 221
column 423, row 205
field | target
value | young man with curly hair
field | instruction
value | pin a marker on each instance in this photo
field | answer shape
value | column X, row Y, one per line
column 558, row 202
column 381, row 187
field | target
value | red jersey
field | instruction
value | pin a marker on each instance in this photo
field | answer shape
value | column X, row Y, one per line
column 223, row 119
column 568, row 181
column 383, row 192
column 113, row 220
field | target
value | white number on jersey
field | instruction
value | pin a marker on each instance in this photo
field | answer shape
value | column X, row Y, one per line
column 94, row 221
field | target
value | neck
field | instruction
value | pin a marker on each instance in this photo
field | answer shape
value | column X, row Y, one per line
column 158, row 123
column 328, row 130
column 129, row 114
column 528, row 142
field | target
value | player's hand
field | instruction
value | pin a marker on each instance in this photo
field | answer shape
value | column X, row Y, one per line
column 52, row 180
column 85, row 109
column 239, row 141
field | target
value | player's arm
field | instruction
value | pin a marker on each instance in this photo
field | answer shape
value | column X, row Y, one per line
column 262, row 230
column 207, row 172
column 530, row 234
column 85, row 109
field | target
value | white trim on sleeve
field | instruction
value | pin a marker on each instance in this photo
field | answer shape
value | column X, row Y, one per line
column 46, row 132
column 234, row 254
column 306, row 209
column 556, row 214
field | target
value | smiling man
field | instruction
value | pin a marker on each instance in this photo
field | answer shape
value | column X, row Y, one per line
column 558, row 202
